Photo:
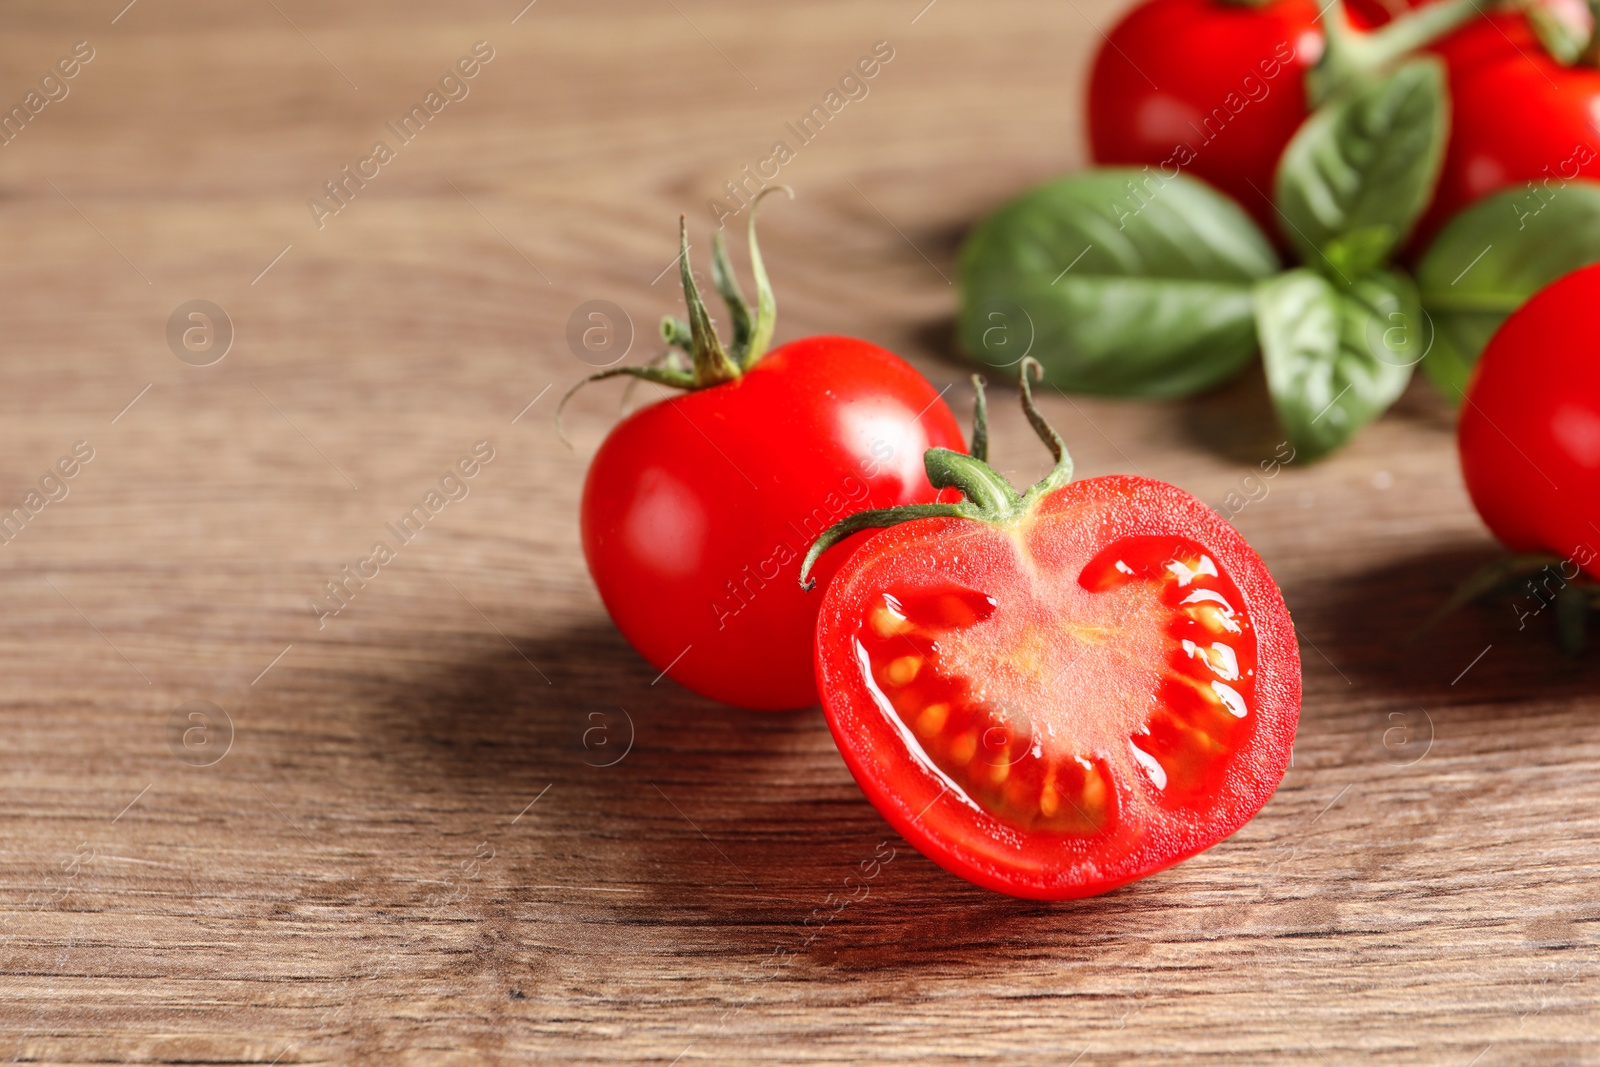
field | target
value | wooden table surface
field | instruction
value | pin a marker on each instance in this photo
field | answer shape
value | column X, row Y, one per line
column 458, row 822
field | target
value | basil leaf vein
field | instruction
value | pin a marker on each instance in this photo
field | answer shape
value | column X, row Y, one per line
column 1360, row 170
column 1336, row 357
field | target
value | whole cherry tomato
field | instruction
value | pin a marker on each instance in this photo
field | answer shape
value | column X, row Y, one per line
column 1053, row 695
column 1529, row 433
column 1208, row 88
column 697, row 509
column 1518, row 118
column 1216, row 88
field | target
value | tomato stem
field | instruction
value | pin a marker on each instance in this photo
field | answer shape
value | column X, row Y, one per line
column 978, row 482
column 1501, row 574
column 728, row 287
column 766, row 303
column 1589, row 55
column 1061, row 474
column 712, row 363
column 669, row 375
column 989, row 497
column 980, row 421
column 1350, row 56
column 1574, row 599
column 1572, row 619
column 1568, row 44
column 877, row 518
column 712, row 366
column 676, row 332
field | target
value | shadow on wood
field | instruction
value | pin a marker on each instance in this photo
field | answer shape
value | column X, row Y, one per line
column 742, row 829
column 1369, row 627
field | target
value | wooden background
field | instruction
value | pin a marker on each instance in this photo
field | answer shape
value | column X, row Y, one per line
column 414, row 850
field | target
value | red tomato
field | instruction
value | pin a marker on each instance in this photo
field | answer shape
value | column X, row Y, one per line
column 1377, row 12
column 1205, row 87
column 1518, row 117
column 697, row 509
column 1529, row 433
column 1064, row 696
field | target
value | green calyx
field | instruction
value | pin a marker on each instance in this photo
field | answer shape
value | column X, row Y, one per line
column 1350, row 56
column 708, row 361
column 988, row 496
column 1530, row 576
column 713, row 364
column 1570, row 40
column 1589, row 54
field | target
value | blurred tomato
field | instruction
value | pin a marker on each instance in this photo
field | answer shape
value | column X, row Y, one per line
column 1213, row 89
column 1530, row 428
column 1519, row 117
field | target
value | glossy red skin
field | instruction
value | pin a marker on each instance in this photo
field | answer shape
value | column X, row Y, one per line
column 1518, row 116
column 1529, row 433
column 918, row 805
column 688, row 492
column 1170, row 65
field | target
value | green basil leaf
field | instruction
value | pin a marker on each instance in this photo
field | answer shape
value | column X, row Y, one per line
column 1495, row 255
column 1119, row 281
column 1360, row 171
column 1336, row 357
column 1353, row 254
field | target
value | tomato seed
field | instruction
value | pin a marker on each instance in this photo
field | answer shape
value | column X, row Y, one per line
column 963, row 748
column 886, row 621
column 1049, row 802
column 902, row 671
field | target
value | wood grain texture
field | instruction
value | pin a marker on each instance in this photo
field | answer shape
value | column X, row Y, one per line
column 414, row 851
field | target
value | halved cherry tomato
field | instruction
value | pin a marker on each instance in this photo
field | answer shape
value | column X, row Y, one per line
column 697, row 509
column 1054, row 695
column 1529, row 433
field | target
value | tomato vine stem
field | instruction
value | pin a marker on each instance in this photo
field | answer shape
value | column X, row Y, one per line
column 1589, row 53
column 712, row 364
column 988, row 497
column 980, row 421
column 1351, row 56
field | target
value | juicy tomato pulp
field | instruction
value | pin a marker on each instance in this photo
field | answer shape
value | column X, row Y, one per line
column 1058, row 707
column 1529, row 434
column 698, row 509
column 1176, row 615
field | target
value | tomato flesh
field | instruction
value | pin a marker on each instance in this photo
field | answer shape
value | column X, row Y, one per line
column 1056, row 707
